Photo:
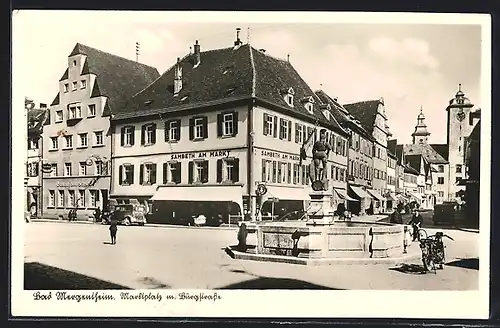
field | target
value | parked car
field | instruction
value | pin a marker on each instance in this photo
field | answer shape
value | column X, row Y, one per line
column 445, row 213
column 128, row 214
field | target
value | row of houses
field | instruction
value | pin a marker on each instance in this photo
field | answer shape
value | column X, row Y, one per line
column 213, row 127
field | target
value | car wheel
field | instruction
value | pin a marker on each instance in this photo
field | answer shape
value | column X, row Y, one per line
column 141, row 224
column 126, row 222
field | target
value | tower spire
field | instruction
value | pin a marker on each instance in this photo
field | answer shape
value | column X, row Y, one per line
column 420, row 135
column 460, row 87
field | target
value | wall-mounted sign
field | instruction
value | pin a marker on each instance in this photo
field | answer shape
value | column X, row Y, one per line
column 274, row 154
column 261, row 189
column 201, row 154
column 73, row 184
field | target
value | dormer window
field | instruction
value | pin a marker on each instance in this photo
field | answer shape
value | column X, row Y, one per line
column 327, row 113
column 308, row 103
column 289, row 100
column 309, row 107
column 74, row 62
column 288, row 96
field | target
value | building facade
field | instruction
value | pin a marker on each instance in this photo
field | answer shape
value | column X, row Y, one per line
column 76, row 137
column 473, row 169
column 213, row 128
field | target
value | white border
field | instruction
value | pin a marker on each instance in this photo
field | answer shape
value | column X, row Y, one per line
column 397, row 304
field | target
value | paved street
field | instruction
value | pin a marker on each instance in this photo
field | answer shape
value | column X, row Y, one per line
column 68, row 255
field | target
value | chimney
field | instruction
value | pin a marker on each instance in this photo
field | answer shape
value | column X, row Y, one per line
column 336, row 99
column 43, row 105
column 262, row 50
column 197, row 55
column 238, row 42
column 177, row 77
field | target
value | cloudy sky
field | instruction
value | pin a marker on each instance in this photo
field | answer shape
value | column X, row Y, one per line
column 409, row 65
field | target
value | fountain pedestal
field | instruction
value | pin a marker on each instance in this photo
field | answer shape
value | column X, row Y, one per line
column 320, row 212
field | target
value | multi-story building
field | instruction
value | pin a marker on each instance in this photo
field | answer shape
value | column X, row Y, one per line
column 216, row 125
column 392, row 178
column 360, row 162
column 36, row 119
column 76, row 138
column 423, row 194
column 473, row 170
column 372, row 116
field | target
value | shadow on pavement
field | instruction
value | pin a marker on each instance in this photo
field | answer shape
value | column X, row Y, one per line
column 275, row 283
column 154, row 283
column 465, row 263
column 409, row 268
column 38, row 276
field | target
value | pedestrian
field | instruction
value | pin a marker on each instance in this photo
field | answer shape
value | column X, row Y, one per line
column 113, row 228
column 97, row 214
column 396, row 216
column 416, row 222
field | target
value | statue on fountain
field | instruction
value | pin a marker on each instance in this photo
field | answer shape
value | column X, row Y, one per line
column 318, row 166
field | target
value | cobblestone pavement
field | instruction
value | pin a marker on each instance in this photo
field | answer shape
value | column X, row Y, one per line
column 79, row 256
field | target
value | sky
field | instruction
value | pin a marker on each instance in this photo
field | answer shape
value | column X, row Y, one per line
column 411, row 66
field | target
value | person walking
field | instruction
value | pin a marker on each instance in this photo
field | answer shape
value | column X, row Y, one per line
column 113, row 228
column 416, row 222
column 396, row 216
column 97, row 215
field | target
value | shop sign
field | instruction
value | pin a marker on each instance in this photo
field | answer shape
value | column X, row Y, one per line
column 73, row 184
column 274, row 154
column 202, row 154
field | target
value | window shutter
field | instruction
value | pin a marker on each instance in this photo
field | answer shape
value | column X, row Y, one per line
column 167, row 131
column 304, row 134
column 235, row 123
column 178, row 130
column 191, row 128
column 236, row 170
column 143, row 135
column 296, row 132
column 153, row 174
column 265, row 128
column 275, row 127
column 132, row 136
column 264, row 170
column 131, row 174
column 141, row 174
column 289, row 130
column 274, row 171
column 219, row 170
column 219, row 125
column 205, row 172
column 165, row 173
column 289, row 172
column 205, row 127
column 122, row 136
column 281, row 133
column 153, row 140
column 190, row 169
column 120, row 175
column 177, row 178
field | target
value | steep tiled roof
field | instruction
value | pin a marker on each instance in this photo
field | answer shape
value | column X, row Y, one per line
column 391, row 146
column 399, row 153
column 226, row 75
column 415, row 161
column 36, row 119
column 117, row 78
column 56, row 100
column 409, row 169
column 429, row 153
column 365, row 112
column 441, row 149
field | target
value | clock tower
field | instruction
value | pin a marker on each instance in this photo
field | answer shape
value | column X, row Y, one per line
column 420, row 135
column 459, row 127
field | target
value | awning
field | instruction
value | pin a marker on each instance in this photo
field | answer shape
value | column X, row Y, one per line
column 390, row 196
column 287, row 193
column 375, row 194
column 343, row 194
column 402, row 197
column 201, row 194
column 417, row 197
column 360, row 192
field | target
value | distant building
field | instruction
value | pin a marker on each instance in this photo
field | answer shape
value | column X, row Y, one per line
column 216, row 125
column 77, row 137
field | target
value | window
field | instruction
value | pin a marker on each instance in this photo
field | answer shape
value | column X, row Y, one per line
column 66, row 87
column 270, row 125
column 266, row 170
column 298, row 133
column 459, row 148
column 198, row 172
column 33, row 143
column 457, row 179
column 98, row 139
column 147, row 174
column 126, row 174
column 93, row 198
column 52, row 198
column 98, row 168
column 172, row 172
column 284, row 172
column 440, row 180
column 198, row 127
column 67, row 169
column 459, row 168
column 441, row 168
column 74, row 112
column 309, row 107
column 81, row 198
column 227, row 124
column 60, row 200
column 83, row 168
column 59, row 116
column 71, row 198
column 68, row 142
column 83, row 84
column 54, row 143
column 173, row 130
column 91, row 110
column 82, row 140
column 53, row 172
column 32, row 169
column 289, row 99
column 228, row 170
column 74, row 85
column 285, row 131
column 441, row 193
column 127, row 136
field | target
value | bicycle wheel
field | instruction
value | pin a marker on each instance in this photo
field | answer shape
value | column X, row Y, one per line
column 428, row 263
column 422, row 234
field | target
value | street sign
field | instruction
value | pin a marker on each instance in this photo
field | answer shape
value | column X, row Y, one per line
column 46, row 168
column 261, row 190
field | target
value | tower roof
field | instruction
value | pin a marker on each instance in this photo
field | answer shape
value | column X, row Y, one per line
column 421, row 127
column 460, row 99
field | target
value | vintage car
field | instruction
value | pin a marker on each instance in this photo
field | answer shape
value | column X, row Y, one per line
column 445, row 213
column 127, row 214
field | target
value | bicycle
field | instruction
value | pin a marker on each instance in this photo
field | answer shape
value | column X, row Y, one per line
column 432, row 247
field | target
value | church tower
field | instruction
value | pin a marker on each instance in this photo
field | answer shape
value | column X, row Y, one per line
column 459, row 127
column 420, row 135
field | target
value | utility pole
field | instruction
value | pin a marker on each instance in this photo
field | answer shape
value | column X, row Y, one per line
column 137, row 48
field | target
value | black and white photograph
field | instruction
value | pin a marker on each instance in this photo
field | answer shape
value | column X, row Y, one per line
column 250, row 164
